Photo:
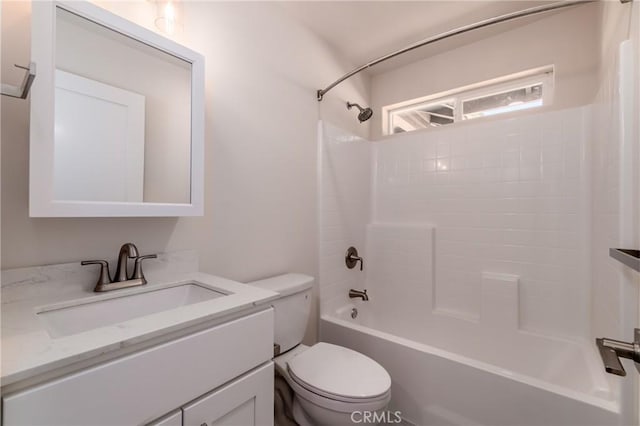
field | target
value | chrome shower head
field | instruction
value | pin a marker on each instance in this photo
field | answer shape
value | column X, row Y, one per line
column 365, row 113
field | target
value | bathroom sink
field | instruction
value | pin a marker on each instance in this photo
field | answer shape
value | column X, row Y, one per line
column 85, row 316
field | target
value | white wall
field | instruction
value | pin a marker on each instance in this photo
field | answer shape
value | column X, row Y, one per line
column 567, row 39
column 262, row 71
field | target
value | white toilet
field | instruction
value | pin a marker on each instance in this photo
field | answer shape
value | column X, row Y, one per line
column 330, row 382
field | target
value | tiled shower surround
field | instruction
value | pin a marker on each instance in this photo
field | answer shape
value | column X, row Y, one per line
column 504, row 197
column 344, row 201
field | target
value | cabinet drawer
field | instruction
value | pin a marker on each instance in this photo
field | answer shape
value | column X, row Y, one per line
column 142, row 386
column 247, row 401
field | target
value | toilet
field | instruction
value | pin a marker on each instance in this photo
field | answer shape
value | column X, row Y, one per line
column 329, row 382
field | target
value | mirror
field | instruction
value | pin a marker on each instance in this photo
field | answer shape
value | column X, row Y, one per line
column 122, row 128
column 124, row 106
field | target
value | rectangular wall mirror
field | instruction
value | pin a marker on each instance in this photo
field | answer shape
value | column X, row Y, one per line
column 117, row 117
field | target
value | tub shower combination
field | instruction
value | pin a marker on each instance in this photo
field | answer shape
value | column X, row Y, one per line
column 477, row 299
column 451, row 369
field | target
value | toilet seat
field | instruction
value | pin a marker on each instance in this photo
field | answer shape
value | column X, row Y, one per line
column 303, row 393
column 320, row 395
column 340, row 374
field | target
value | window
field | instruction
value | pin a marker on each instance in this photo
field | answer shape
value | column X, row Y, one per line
column 515, row 92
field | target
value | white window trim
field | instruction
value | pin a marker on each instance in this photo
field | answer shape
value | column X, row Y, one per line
column 544, row 75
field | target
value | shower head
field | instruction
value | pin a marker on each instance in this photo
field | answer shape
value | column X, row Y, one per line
column 365, row 113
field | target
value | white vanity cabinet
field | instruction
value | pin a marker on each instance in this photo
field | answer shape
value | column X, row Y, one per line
column 219, row 375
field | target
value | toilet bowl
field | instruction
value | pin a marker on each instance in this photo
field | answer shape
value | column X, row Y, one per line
column 331, row 383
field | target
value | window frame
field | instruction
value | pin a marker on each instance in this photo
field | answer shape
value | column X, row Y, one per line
column 543, row 75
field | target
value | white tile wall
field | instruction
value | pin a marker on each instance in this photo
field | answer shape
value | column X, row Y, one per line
column 345, row 198
column 507, row 196
column 400, row 270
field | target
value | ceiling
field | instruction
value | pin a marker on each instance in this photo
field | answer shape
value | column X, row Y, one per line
column 362, row 31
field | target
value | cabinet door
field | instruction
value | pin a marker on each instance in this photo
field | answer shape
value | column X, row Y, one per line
column 247, row 401
column 172, row 419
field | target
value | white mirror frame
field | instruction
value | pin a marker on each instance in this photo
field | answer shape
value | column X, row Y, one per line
column 41, row 195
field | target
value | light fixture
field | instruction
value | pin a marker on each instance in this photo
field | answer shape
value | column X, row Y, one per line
column 168, row 16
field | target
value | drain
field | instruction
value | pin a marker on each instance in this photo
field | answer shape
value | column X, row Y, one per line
column 354, row 313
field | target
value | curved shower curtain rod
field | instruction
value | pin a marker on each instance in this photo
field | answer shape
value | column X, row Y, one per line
column 458, row 31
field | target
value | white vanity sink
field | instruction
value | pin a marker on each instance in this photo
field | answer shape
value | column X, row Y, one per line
column 68, row 320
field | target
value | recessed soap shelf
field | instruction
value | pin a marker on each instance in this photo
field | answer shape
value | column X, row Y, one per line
column 629, row 257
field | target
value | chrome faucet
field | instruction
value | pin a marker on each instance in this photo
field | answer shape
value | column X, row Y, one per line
column 121, row 279
column 357, row 293
column 127, row 251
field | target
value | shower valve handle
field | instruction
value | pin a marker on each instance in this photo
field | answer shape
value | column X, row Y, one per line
column 351, row 259
column 612, row 350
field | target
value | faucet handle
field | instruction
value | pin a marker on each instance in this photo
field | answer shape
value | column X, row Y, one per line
column 137, row 269
column 104, row 277
column 612, row 364
column 612, row 350
column 351, row 258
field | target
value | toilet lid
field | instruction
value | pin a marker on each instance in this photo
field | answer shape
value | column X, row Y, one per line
column 340, row 372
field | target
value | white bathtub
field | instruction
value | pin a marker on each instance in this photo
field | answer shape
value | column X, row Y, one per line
column 480, row 379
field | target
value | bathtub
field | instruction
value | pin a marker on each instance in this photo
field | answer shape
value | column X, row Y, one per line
column 446, row 372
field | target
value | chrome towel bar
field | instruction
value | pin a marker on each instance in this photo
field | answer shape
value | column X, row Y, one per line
column 629, row 257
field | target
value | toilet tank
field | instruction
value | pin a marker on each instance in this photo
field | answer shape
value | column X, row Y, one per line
column 291, row 309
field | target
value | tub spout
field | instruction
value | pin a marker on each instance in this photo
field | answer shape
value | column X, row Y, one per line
column 357, row 293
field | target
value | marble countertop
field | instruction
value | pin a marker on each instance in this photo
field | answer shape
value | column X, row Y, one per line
column 28, row 350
